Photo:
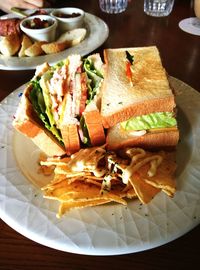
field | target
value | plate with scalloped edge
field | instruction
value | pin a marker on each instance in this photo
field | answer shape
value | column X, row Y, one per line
column 97, row 33
column 108, row 229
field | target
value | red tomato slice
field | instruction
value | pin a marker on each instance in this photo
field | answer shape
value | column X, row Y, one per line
column 83, row 92
column 128, row 70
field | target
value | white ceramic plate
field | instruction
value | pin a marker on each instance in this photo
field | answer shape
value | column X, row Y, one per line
column 191, row 25
column 97, row 33
column 103, row 230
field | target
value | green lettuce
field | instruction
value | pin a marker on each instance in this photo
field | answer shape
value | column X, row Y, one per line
column 150, row 121
column 47, row 98
column 86, row 137
column 38, row 101
column 95, row 77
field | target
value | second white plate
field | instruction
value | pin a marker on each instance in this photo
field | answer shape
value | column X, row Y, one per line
column 97, row 33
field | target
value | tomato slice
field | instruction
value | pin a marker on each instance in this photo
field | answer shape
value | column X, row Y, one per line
column 84, row 91
column 128, row 70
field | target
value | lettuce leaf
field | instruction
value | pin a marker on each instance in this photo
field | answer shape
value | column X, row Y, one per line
column 38, row 102
column 86, row 139
column 150, row 121
column 46, row 95
column 95, row 77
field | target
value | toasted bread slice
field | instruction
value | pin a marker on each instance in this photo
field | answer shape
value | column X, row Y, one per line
column 117, row 138
column 71, row 138
column 95, row 128
column 147, row 90
column 27, row 122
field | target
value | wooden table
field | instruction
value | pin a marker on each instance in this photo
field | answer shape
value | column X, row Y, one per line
column 180, row 54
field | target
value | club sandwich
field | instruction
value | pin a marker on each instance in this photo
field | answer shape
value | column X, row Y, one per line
column 59, row 109
column 138, row 105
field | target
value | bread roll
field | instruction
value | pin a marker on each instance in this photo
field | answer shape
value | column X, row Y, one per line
column 9, row 45
column 54, row 47
column 25, row 44
column 73, row 37
column 66, row 40
column 35, row 49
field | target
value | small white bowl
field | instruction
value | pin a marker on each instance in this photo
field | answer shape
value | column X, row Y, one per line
column 66, row 19
column 40, row 34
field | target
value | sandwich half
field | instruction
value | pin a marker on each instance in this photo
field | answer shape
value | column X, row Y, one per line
column 138, row 105
column 27, row 122
column 64, row 101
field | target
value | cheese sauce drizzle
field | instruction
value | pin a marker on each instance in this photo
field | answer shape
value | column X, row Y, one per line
column 134, row 165
column 88, row 160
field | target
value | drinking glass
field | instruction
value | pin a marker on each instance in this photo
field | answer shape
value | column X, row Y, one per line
column 113, row 6
column 158, row 8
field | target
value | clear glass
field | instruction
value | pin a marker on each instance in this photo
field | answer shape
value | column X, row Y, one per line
column 113, row 6
column 158, row 8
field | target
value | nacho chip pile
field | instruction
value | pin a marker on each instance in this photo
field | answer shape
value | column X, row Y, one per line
column 95, row 176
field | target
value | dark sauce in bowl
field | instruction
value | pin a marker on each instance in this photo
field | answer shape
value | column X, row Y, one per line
column 67, row 15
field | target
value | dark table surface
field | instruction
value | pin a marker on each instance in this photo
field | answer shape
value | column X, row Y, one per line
column 180, row 53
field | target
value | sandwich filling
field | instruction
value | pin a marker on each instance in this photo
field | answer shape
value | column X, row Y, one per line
column 60, row 94
column 42, row 104
column 149, row 123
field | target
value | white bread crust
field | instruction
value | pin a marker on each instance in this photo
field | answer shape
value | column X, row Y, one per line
column 95, row 128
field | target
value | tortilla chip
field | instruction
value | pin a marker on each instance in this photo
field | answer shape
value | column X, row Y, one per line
column 93, row 176
column 144, row 191
column 66, row 206
column 164, row 178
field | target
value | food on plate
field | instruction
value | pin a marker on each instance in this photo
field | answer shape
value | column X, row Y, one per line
column 136, row 102
column 67, row 15
column 138, row 105
column 66, row 40
column 25, row 44
column 27, row 122
column 37, row 23
column 9, row 45
column 23, row 47
column 58, row 107
column 35, row 49
column 11, row 35
column 68, row 18
column 9, row 26
column 95, row 176
column 54, row 47
column 73, row 37
column 40, row 27
column 106, row 129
